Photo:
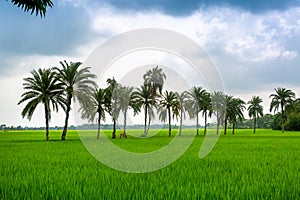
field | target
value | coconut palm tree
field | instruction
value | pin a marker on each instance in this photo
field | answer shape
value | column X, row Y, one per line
column 229, row 108
column 255, row 110
column 97, row 104
column 236, row 112
column 114, row 110
column 37, row 6
column 78, row 84
column 218, row 102
column 182, row 101
column 281, row 99
column 43, row 87
column 206, row 108
column 169, row 103
column 143, row 98
column 155, row 78
column 195, row 98
column 127, row 100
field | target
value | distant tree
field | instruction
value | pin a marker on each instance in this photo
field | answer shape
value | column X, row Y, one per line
column 168, row 105
column 228, row 111
column 281, row 99
column 206, row 108
column 195, row 98
column 78, row 84
column 96, row 104
column 37, row 6
column 255, row 110
column 183, row 106
column 43, row 87
column 127, row 100
column 218, row 102
column 143, row 98
column 112, row 92
column 236, row 112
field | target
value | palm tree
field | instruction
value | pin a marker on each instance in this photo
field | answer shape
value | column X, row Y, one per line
column 236, row 112
column 182, row 101
column 37, row 6
column 282, row 98
column 43, row 87
column 195, row 98
column 143, row 98
column 218, row 102
column 78, row 83
column 98, row 103
column 229, row 108
column 113, row 92
column 127, row 100
column 255, row 110
column 206, row 108
column 155, row 78
column 169, row 103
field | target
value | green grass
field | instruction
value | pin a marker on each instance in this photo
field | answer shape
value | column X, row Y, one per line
column 241, row 166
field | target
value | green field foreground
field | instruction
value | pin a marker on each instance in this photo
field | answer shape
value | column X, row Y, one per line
column 241, row 166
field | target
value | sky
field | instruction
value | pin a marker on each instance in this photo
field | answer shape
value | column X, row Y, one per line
column 255, row 45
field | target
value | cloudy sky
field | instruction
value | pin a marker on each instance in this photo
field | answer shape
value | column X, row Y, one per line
column 255, row 45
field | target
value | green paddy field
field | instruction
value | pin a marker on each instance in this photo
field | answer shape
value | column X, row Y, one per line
column 241, row 166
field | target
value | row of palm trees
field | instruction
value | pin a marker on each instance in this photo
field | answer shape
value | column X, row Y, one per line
column 59, row 86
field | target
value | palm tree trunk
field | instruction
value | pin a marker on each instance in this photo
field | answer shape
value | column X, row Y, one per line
column 282, row 119
column 145, row 127
column 218, row 123
column 169, row 116
column 180, row 125
column 99, row 120
column 205, row 122
column 47, row 121
column 125, row 113
column 69, row 102
column 149, row 120
column 233, row 128
column 114, row 129
column 254, row 125
column 225, row 126
column 197, row 124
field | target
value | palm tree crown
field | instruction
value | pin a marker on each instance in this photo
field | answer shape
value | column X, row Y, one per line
column 282, row 98
column 43, row 87
column 255, row 110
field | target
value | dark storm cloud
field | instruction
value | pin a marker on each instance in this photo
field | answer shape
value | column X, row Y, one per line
column 186, row 7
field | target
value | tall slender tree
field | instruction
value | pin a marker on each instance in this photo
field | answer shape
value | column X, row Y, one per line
column 195, row 98
column 255, row 110
column 143, row 98
column 218, row 102
column 228, row 111
column 97, row 104
column 281, row 99
column 182, row 101
column 236, row 112
column 168, row 105
column 113, row 92
column 206, row 108
column 43, row 87
column 78, row 84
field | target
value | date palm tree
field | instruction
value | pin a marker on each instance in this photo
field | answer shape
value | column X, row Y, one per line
column 236, row 112
column 281, row 99
column 96, row 104
column 168, row 105
column 43, row 87
column 37, row 6
column 206, row 108
column 127, row 100
column 255, row 110
column 229, row 108
column 195, row 98
column 155, row 78
column 143, row 98
column 182, row 102
column 218, row 102
column 78, row 84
